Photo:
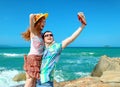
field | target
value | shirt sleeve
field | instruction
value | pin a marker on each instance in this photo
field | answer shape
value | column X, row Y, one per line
column 58, row 47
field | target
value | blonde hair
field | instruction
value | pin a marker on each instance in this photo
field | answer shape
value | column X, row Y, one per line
column 26, row 35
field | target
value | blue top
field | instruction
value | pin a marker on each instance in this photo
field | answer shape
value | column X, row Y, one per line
column 50, row 58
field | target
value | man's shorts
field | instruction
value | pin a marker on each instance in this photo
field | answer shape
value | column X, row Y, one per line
column 47, row 84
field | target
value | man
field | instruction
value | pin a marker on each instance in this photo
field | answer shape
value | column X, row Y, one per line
column 52, row 53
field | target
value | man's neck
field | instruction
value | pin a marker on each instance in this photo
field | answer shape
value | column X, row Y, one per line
column 49, row 44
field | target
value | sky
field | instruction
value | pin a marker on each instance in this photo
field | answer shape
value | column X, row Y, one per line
column 102, row 16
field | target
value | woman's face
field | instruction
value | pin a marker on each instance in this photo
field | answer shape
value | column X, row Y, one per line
column 40, row 24
column 48, row 38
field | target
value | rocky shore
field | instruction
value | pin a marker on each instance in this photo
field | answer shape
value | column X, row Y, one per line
column 105, row 74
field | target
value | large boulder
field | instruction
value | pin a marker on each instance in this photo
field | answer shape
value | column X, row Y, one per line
column 19, row 77
column 105, row 64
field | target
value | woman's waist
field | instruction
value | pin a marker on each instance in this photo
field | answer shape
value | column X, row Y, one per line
column 35, row 52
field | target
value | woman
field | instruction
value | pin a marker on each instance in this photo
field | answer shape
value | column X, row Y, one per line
column 52, row 53
column 33, row 60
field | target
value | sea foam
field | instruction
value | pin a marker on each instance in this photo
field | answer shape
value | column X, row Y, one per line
column 11, row 55
column 6, row 78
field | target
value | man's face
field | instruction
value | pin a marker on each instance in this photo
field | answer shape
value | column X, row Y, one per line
column 48, row 38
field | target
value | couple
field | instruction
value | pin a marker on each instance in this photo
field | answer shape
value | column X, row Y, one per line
column 44, row 51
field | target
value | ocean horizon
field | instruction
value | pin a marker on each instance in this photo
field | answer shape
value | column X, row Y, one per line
column 75, row 62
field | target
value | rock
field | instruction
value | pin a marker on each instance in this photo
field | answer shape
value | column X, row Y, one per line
column 110, row 76
column 20, row 77
column 82, row 82
column 105, row 64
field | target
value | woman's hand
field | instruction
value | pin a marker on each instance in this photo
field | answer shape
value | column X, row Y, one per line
column 32, row 18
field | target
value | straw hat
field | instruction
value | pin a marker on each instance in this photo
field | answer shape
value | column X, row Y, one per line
column 38, row 16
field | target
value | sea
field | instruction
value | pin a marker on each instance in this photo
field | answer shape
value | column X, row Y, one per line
column 75, row 62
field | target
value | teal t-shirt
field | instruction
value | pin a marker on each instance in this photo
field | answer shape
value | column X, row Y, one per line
column 50, row 58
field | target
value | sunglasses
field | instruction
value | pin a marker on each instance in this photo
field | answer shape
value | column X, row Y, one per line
column 48, row 35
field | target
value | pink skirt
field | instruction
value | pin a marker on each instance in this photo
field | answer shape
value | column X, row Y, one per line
column 32, row 64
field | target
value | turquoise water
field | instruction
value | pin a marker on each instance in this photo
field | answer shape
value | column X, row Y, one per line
column 75, row 62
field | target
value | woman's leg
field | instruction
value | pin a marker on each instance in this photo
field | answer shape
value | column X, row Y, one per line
column 30, row 82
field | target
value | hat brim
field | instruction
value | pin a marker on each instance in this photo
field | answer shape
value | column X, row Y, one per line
column 46, row 15
column 42, row 15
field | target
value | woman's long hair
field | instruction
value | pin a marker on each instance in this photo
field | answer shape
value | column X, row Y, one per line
column 26, row 35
